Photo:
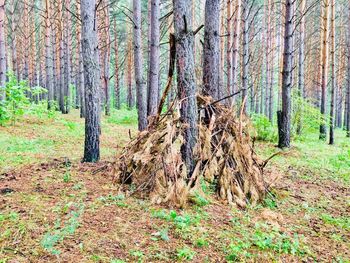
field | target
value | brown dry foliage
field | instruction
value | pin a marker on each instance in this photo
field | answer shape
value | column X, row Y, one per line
column 224, row 156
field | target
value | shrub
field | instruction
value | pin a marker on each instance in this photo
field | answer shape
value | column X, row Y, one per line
column 264, row 129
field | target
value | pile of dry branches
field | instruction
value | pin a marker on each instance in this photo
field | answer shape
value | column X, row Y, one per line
column 224, row 157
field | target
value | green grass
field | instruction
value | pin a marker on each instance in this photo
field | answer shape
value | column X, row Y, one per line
column 315, row 158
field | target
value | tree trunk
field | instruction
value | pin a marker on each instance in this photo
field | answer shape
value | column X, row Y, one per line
column 2, row 49
column 235, row 47
column 48, row 58
column 229, row 47
column 333, row 76
column 138, row 65
column 324, row 68
column 301, row 72
column 116, row 69
column 67, row 57
column 91, row 80
column 211, row 56
column 106, row 60
column 347, row 112
column 245, row 66
column 284, row 116
column 186, row 84
column 154, row 59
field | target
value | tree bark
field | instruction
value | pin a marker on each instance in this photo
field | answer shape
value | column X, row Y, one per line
column 2, row 49
column 245, row 62
column 186, row 84
column 333, row 76
column 154, row 59
column 229, row 46
column 324, row 68
column 301, row 72
column 138, row 65
column 284, row 116
column 48, row 58
column 347, row 112
column 91, row 80
column 235, row 47
column 116, row 69
column 211, row 50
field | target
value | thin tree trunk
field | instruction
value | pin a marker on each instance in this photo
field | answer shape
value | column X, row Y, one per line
column 186, row 84
column 211, row 50
column 324, row 68
column 229, row 47
column 245, row 66
column 2, row 49
column 154, row 59
column 333, row 76
column 138, row 65
column 116, row 69
column 347, row 112
column 301, row 72
column 235, row 47
column 284, row 116
column 49, row 73
column 91, row 80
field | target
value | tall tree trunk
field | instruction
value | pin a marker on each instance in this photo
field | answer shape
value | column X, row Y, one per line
column 211, row 56
column 106, row 59
column 284, row 116
column 154, row 59
column 229, row 46
column 245, row 62
column 48, row 57
column 186, row 84
column 267, row 55
column 324, row 67
column 91, row 80
column 67, row 57
column 116, row 68
column 347, row 112
column 2, row 49
column 272, row 64
column 333, row 76
column 235, row 47
column 138, row 65
column 301, row 66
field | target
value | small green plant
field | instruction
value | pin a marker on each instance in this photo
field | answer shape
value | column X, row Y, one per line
column 180, row 221
column 67, row 177
column 201, row 242
column 162, row 234
column 264, row 129
column 113, row 200
column 137, row 255
column 16, row 101
column 117, row 261
column 340, row 222
column 51, row 239
column 185, row 253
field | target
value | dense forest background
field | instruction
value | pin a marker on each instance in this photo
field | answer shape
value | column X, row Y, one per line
column 40, row 43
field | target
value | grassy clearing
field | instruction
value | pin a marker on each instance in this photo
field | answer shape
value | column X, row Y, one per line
column 55, row 209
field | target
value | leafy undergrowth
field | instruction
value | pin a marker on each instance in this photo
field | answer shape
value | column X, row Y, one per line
column 55, row 209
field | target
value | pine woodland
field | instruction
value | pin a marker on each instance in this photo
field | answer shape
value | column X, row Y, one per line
column 174, row 131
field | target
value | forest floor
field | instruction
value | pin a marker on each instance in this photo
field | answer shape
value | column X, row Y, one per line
column 55, row 209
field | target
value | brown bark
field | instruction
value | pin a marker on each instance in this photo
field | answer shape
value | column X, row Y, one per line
column 211, row 56
column 284, row 116
column 91, row 80
column 138, row 65
column 324, row 67
column 186, row 84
